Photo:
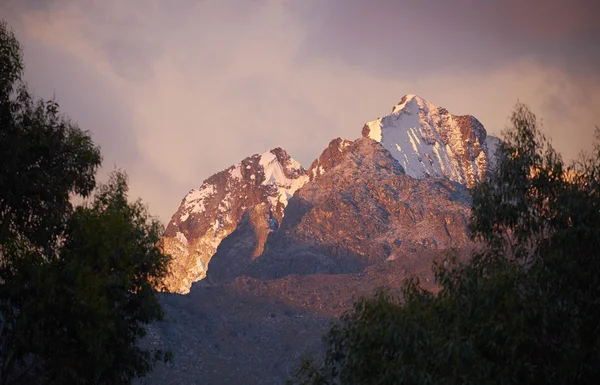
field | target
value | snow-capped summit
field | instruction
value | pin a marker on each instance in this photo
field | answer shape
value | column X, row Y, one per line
column 411, row 101
column 282, row 171
column 429, row 141
column 210, row 213
column 236, row 209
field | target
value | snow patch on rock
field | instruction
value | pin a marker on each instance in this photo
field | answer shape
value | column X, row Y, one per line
column 181, row 238
column 194, row 201
column 275, row 175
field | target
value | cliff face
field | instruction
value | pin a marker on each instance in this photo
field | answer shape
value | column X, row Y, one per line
column 210, row 213
column 329, row 158
column 242, row 246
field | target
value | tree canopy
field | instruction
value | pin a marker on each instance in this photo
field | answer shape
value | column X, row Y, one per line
column 523, row 309
column 76, row 282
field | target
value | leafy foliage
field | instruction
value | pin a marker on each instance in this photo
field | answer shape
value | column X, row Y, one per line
column 44, row 157
column 103, row 284
column 76, row 283
column 523, row 310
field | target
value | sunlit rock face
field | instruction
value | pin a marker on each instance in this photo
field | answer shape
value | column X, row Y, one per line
column 210, row 213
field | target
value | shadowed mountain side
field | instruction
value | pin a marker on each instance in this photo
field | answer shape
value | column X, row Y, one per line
column 242, row 246
column 254, row 331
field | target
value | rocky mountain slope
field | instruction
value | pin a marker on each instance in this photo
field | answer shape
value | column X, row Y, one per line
column 285, row 251
column 255, row 331
column 210, row 213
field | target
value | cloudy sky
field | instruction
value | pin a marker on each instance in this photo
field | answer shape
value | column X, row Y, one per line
column 175, row 91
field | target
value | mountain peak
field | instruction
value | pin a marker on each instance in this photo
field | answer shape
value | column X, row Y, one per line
column 412, row 103
column 210, row 213
column 329, row 158
column 429, row 141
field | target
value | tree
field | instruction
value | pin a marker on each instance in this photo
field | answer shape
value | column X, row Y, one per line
column 44, row 157
column 523, row 310
column 101, row 292
column 76, row 283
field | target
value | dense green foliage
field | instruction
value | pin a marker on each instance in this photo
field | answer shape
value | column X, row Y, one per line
column 76, row 283
column 524, row 309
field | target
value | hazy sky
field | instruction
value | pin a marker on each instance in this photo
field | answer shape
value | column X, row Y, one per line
column 175, row 91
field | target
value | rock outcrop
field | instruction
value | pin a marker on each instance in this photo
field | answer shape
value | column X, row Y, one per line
column 210, row 213
column 329, row 158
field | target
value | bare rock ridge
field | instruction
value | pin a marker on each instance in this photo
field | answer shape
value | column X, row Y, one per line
column 331, row 157
column 210, row 213
column 405, row 179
